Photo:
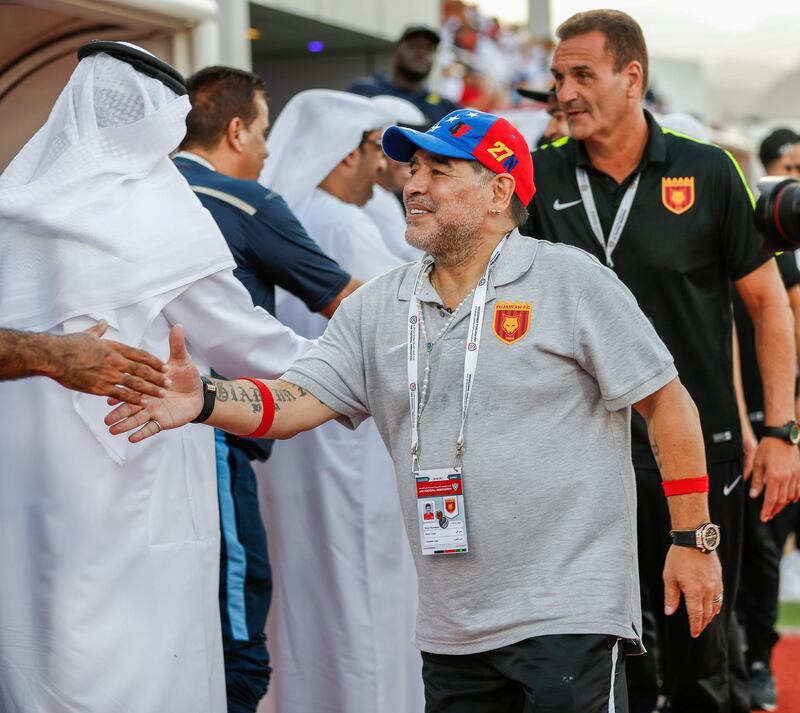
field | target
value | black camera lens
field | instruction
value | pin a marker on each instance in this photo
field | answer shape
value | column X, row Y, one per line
column 778, row 213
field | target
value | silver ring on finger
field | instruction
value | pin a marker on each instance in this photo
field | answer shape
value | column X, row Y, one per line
column 158, row 426
column 717, row 599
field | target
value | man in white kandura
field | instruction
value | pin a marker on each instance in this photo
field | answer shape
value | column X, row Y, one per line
column 334, row 646
column 384, row 208
column 109, row 555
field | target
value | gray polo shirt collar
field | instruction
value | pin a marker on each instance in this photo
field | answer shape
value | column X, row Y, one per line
column 515, row 260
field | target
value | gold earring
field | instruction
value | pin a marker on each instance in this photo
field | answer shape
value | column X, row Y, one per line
column 495, row 211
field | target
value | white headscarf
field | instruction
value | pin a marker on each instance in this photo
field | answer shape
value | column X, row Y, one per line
column 313, row 133
column 93, row 214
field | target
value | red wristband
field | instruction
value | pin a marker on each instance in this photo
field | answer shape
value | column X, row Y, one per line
column 685, row 486
column 268, row 409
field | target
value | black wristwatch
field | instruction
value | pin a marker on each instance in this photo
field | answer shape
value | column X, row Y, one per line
column 790, row 432
column 209, row 399
column 705, row 538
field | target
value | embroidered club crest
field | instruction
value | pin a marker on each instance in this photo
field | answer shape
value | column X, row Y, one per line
column 511, row 321
column 677, row 194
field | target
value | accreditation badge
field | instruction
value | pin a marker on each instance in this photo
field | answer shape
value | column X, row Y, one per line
column 440, row 511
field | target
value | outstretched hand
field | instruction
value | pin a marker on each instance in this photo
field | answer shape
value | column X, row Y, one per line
column 181, row 402
column 87, row 363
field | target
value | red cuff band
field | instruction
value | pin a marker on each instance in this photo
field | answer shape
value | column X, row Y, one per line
column 268, row 409
column 686, row 486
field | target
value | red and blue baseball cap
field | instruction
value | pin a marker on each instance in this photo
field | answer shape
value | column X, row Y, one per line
column 473, row 136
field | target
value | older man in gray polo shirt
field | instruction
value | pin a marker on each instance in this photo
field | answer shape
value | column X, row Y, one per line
column 511, row 428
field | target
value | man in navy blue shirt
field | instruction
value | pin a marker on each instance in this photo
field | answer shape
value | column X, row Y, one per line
column 221, row 157
column 411, row 64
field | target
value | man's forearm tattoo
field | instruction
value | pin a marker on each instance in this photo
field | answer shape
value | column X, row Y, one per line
column 282, row 395
column 229, row 391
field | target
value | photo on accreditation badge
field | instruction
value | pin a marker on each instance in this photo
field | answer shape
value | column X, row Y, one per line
column 427, row 509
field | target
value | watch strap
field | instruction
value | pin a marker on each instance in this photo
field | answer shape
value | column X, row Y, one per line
column 209, row 399
column 783, row 432
column 684, row 538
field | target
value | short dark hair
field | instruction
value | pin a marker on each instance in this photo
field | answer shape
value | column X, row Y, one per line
column 517, row 209
column 776, row 144
column 219, row 94
column 624, row 37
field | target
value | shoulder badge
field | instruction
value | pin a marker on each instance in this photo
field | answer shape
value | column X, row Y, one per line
column 677, row 194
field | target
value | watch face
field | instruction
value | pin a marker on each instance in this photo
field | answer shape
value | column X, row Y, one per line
column 709, row 537
column 794, row 433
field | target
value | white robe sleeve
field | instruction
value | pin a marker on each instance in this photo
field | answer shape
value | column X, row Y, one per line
column 235, row 337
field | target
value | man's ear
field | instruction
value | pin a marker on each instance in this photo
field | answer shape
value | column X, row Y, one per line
column 503, row 186
column 634, row 75
column 232, row 131
column 352, row 158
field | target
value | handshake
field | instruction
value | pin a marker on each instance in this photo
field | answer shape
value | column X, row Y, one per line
column 245, row 407
column 174, row 406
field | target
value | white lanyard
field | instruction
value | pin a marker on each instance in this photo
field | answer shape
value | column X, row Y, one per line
column 594, row 219
column 470, row 358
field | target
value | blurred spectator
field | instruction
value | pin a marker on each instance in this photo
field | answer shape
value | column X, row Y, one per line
column 412, row 62
column 489, row 57
column 776, row 149
column 791, row 161
column 451, row 81
column 478, row 92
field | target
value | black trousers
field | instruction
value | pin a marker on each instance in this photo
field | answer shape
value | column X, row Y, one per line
column 691, row 673
column 757, row 605
column 737, row 669
column 576, row 673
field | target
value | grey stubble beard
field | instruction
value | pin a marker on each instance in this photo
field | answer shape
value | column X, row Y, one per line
column 453, row 243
